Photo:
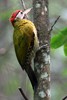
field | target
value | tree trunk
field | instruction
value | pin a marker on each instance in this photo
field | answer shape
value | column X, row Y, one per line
column 42, row 59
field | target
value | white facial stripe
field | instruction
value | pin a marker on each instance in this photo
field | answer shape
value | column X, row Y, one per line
column 20, row 15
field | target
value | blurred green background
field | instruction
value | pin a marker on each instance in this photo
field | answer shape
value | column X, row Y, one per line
column 11, row 75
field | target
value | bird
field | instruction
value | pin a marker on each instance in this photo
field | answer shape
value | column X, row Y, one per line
column 25, row 41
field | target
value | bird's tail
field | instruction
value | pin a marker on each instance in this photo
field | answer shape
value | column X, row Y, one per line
column 32, row 76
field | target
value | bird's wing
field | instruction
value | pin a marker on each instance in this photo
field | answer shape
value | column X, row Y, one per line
column 23, row 45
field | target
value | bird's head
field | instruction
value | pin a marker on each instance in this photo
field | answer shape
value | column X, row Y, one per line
column 19, row 14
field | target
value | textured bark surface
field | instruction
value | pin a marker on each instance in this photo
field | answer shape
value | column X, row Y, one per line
column 42, row 59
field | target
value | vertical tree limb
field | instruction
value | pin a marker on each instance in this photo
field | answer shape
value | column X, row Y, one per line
column 42, row 59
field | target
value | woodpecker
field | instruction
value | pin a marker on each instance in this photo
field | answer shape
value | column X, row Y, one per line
column 25, row 42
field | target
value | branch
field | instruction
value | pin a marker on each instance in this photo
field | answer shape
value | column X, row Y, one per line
column 53, row 25
column 64, row 98
column 23, row 4
column 22, row 93
column 24, row 7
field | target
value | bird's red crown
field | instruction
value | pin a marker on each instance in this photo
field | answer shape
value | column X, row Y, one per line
column 14, row 15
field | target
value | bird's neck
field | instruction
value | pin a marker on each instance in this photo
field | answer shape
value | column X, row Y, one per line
column 20, row 22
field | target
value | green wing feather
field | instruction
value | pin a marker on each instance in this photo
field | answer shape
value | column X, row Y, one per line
column 22, row 39
column 21, row 47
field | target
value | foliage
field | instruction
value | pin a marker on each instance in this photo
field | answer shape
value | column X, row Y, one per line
column 60, row 39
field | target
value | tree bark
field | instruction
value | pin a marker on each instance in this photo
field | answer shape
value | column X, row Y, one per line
column 42, row 59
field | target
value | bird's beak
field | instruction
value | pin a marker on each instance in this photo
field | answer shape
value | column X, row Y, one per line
column 27, row 11
column 24, row 14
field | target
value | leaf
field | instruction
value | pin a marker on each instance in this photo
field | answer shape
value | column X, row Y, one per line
column 65, row 49
column 59, row 39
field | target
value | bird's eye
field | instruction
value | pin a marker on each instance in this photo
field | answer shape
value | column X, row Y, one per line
column 21, row 12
